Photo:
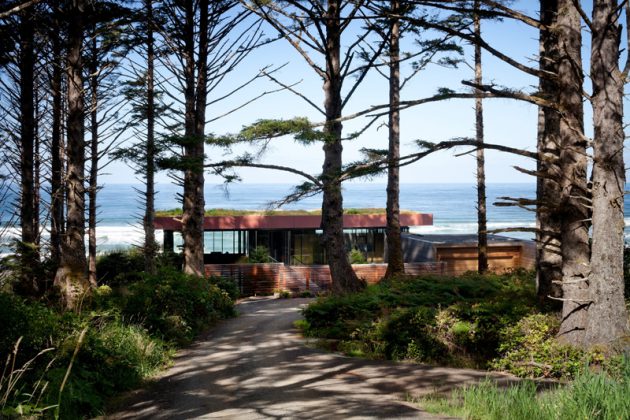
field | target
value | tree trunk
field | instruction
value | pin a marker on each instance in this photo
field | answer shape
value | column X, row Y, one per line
column 343, row 276
column 56, row 184
column 27, row 144
column 93, row 187
column 395, row 261
column 71, row 277
column 548, row 196
column 574, row 194
column 37, row 178
column 607, row 320
column 195, row 98
column 482, row 222
column 150, row 249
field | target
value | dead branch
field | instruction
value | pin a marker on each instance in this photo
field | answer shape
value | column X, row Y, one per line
column 18, row 8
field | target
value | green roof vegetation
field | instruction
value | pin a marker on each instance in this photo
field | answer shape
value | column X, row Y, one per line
column 233, row 212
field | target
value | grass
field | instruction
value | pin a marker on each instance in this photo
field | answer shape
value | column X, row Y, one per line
column 234, row 212
column 590, row 396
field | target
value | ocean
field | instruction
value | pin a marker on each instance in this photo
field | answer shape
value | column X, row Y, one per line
column 453, row 206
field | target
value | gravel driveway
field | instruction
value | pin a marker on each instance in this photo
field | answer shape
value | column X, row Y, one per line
column 256, row 366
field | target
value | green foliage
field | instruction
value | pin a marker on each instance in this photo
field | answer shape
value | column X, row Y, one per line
column 123, row 267
column 488, row 321
column 226, row 284
column 456, row 321
column 119, row 267
column 124, row 343
column 529, row 349
column 235, row 212
column 356, row 257
column 177, row 306
column 626, row 272
column 589, row 396
column 283, row 294
column 39, row 326
column 260, row 254
column 19, row 396
column 25, row 263
column 301, row 129
column 114, row 357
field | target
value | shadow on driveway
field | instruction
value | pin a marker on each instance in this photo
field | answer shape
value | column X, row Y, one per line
column 257, row 366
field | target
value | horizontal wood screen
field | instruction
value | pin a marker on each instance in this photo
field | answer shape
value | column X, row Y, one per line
column 265, row 279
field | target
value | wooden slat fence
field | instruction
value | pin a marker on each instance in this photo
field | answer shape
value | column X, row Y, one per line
column 264, row 279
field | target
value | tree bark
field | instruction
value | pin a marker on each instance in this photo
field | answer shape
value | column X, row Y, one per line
column 482, row 220
column 37, row 178
column 574, row 193
column 28, row 227
column 343, row 277
column 607, row 318
column 548, row 245
column 71, row 277
column 395, row 261
column 150, row 248
column 93, row 186
column 56, row 184
column 195, row 100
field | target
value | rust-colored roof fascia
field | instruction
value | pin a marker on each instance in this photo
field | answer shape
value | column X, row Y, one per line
column 279, row 222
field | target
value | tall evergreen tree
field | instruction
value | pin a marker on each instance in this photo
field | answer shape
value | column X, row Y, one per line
column 482, row 218
column 71, row 276
column 606, row 315
column 199, row 38
column 395, row 260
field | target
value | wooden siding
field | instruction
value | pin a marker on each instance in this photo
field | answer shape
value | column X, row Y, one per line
column 459, row 259
column 264, row 279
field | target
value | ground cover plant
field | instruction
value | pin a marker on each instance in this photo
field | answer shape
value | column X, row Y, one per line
column 127, row 332
column 482, row 321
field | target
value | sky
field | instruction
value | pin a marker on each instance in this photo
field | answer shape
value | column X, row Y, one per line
column 507, row 122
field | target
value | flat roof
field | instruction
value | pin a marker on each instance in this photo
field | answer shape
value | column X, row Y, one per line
column 293, row 222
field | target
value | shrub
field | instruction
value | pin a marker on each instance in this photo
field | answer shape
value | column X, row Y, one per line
column 120, row 267
column 282, row 294
column 123, row 267
column 177, row 305
column 456, row 321
column 529, row 349
column 260, row 254
column 226, row 284
column 114, row 357
column 39, row 326
column 355, row 256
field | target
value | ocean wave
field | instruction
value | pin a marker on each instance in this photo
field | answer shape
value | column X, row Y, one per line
column 467, row 227
column 107, row 237
column 125, row 236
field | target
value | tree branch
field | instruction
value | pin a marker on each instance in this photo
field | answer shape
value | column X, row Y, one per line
column 246, row 164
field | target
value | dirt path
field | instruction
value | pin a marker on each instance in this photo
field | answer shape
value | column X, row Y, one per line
column 257, row 366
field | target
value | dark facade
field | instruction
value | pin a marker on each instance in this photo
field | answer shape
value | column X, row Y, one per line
column 292, row 240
